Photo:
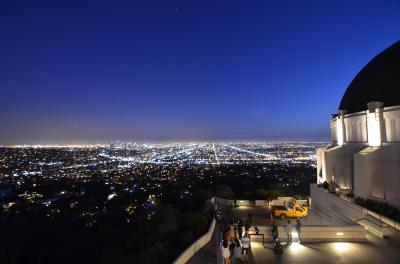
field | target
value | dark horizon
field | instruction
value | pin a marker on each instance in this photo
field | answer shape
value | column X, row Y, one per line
column 99, row 71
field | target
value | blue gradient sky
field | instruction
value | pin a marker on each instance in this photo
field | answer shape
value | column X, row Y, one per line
column 95, row 71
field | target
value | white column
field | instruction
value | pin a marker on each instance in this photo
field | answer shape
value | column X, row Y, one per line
column 341, row 131
column 375, row 124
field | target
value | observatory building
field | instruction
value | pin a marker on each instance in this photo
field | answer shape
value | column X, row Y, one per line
column 364, row 157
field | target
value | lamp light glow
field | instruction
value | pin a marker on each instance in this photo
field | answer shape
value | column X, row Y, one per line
column 342, row 247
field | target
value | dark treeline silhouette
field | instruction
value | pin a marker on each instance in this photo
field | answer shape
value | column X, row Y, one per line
column 83, row 226
column 156, row 235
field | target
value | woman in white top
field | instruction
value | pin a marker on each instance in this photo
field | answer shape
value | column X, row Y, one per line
column 245, row 247
column 226, row 253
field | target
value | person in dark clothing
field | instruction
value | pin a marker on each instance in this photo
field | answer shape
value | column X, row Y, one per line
column 250, row 217
column 278, row 250
column 298, row 229
column 238, row 252
column 240, row 229
column 247, row 226
column 232, row 248
column 235, row 230
column 274, row 231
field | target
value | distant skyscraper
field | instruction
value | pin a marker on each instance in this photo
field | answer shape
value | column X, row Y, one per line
column 365, row 152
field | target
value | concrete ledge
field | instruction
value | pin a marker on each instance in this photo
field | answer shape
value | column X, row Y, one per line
column 354, row 233
column 196, row 245
column 257, row 203
column 281, row 200
column 379, row 229
column 385, row 220
column 231, row 203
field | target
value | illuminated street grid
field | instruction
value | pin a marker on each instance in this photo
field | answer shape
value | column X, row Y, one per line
column 83, row 180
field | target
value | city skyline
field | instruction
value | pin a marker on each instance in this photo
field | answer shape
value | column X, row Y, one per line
column 107, row 196
column 182, row 71
column 201, row 131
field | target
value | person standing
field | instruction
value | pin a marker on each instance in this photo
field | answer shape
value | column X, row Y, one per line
column 278, row 250
column 289, row 231
column 245, row 247
column 298, row 229
column 235, row 231
column 232, row 246
column 238, row 252
column 247, row 227
column 226, row 254
column 274, row 231
column 250, row 218
column 227, row 233
column 240, row 229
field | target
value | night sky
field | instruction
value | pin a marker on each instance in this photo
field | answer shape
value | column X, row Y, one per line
column 237, row 70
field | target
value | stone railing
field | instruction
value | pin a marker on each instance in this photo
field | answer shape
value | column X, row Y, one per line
column 349, row 233
column 257, row 203
column 384, row 219
column 281, row 200
column 196, row 245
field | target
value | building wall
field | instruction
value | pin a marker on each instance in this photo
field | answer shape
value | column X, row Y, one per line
column 362, row 179
column 377, row 173
column 356, row 128
column 392, row 124
column 371, row 172
column 339, row 166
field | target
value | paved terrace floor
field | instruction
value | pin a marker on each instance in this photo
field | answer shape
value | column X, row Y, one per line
column 261, row 217
column 376, row 250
